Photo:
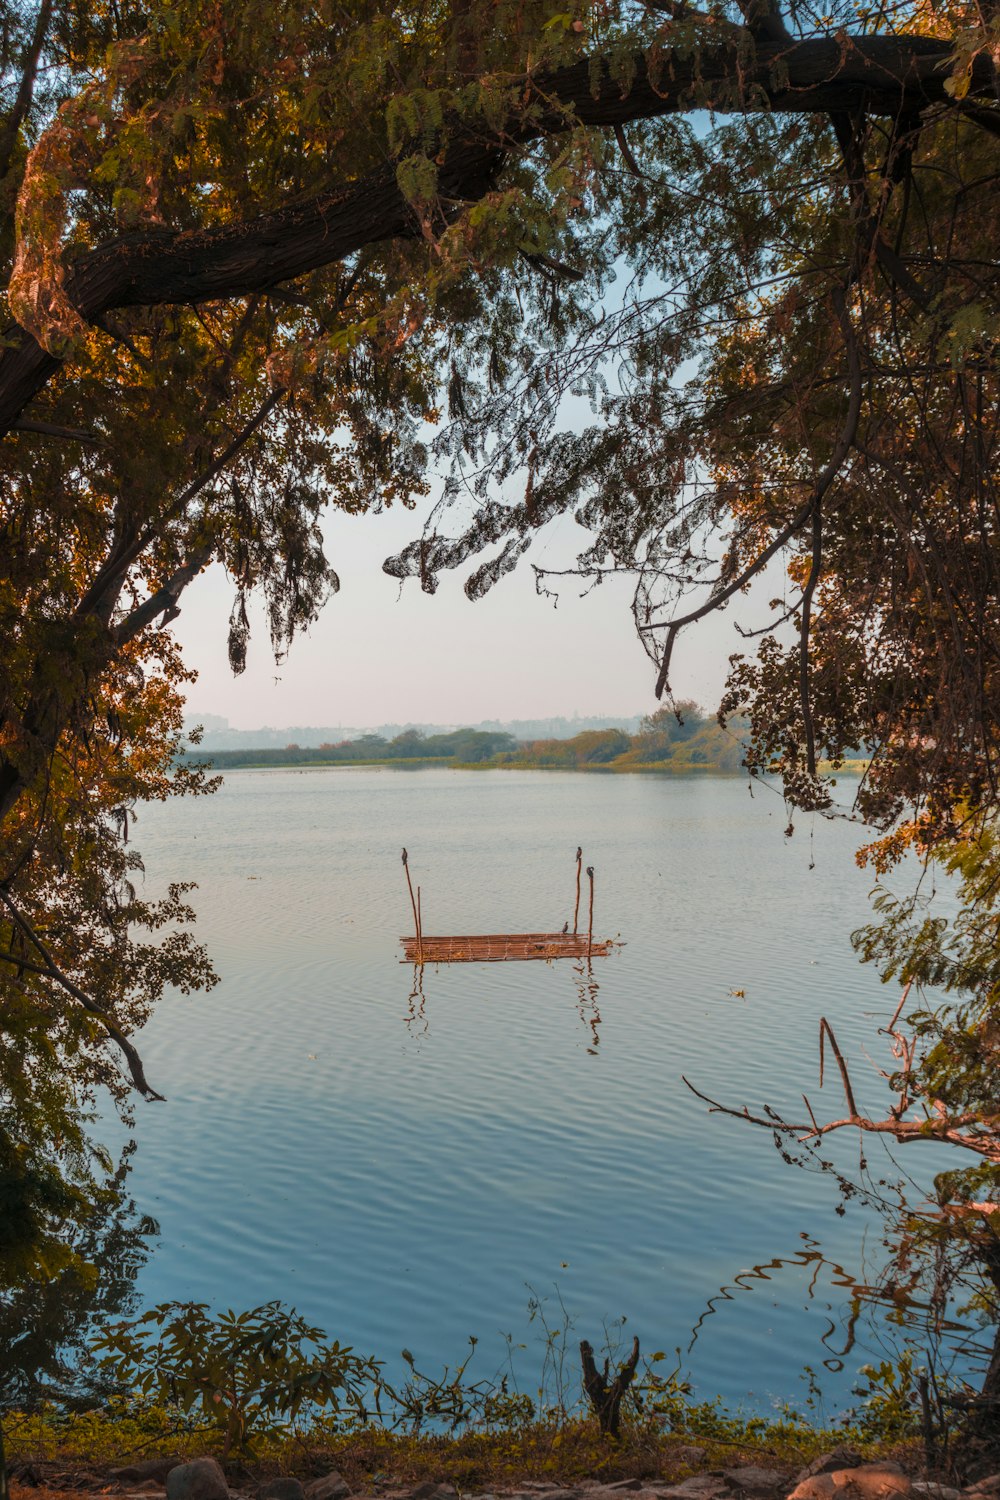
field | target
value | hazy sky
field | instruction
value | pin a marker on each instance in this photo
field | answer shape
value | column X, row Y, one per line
column 380, row 655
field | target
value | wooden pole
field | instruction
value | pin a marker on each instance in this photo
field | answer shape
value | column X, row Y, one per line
column 576, row 909
column 590, row 924
column 413, row 903
column 420, row 931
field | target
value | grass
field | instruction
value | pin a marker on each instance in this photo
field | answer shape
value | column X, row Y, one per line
column 567, row 1450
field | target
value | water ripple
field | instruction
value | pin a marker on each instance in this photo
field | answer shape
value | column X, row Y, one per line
column 400, row 1166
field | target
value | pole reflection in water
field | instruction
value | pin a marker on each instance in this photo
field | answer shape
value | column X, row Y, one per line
column 587, row 989
column 417, row 1023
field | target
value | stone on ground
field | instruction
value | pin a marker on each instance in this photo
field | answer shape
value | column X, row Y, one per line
column 201, row 1479
column 284, row 1488
column 332, row 1486
column 880, row 1481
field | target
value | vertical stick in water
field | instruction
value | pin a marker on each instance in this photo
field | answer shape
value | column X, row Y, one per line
column 420, row 931
column 590, row 924
column 576, row 909
column 409, row 882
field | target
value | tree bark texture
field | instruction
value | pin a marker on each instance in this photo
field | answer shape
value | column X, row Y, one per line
column 883, row 74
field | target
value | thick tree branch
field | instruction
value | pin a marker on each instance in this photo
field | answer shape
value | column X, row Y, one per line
column 50, row 429
column 26, row 88
column 883, row 74
column 113, row 570
column 765, row 22
column 164, row 601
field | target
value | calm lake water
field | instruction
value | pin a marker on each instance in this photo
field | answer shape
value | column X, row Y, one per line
column 402, row 1168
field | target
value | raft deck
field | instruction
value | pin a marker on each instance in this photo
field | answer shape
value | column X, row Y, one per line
column 500, row 946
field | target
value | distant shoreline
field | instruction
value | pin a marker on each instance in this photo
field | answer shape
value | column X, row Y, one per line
column 219, row 761
column 677, row 741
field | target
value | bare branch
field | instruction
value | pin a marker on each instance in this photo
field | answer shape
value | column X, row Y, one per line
column 121, row 559
column 891, row 1028
column 54, row 972
column 824, row 1026
column 627, row 154
column 722, row 595
column 49, row 429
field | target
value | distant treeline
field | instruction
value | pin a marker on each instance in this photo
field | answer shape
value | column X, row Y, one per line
column 672, row 739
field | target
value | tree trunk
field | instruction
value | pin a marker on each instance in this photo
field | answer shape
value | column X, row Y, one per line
column 607, row 1399
column 4, row 1487
column 983, row 1411
column 990, row 1394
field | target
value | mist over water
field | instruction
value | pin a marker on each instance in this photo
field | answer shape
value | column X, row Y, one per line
column 403, row 1163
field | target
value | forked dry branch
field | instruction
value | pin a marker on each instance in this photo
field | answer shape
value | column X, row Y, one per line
column 968, row 1129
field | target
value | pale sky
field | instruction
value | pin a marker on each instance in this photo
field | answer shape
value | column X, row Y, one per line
column 377, row 655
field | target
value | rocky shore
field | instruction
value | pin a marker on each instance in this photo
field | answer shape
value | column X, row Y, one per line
column 841, row 1474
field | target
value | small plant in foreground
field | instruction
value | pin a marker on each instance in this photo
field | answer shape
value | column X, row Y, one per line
column 249, row 1373
column 888, row 1409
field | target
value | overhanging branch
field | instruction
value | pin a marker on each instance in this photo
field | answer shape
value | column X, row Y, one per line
column 51, row 970
column 884, row 74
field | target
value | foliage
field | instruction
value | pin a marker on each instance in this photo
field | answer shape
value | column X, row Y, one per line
column 564, row 1448
column 285, row 244
column 699, row 745
column 449, row 1402
column 470, row 1460
column 247, row 1373
column 888, row 1393
column 949, row 1069
column 87, row 1243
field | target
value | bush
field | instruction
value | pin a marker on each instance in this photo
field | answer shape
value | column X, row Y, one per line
column 247, row 1373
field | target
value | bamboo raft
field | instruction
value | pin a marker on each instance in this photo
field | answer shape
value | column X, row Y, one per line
column 501, row 947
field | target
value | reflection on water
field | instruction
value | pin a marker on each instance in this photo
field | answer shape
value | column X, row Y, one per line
column 811, row 1258
column 418, row 1022
column 586, row 989
column 49, row 1309
column 401, row 1183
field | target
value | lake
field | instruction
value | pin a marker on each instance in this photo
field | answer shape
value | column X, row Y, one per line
column 403, row 1167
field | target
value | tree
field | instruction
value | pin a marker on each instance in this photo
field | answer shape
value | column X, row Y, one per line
column 659, row 732
column 252, row 254
column 446, row 194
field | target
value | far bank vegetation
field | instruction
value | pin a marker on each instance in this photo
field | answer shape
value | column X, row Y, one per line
column 677, row 739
